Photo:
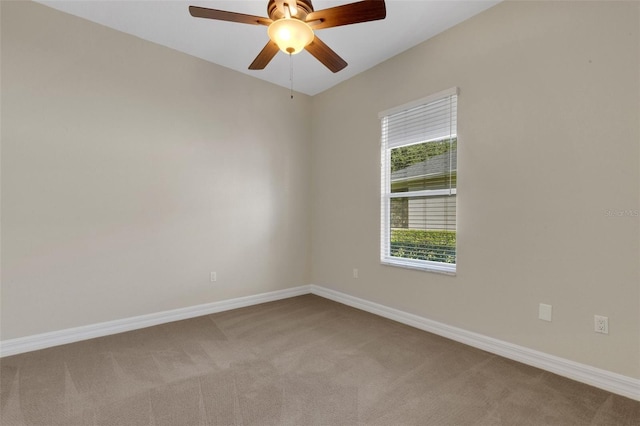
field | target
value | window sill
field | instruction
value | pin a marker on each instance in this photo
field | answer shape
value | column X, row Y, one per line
column 438, row 268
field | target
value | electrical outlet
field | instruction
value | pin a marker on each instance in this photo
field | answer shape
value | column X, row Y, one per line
column 601, row 324
column 355, row 272
column 544, row 312
column 214, row 277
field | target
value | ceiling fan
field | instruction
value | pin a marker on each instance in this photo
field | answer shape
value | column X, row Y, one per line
column 291, row 25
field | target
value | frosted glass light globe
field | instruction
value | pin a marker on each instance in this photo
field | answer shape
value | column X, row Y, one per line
column 291, row 35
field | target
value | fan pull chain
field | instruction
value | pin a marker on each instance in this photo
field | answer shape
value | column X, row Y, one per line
column 291, row 72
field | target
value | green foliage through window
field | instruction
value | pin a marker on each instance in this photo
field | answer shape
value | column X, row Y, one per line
column 406, row 156
column 436, row 246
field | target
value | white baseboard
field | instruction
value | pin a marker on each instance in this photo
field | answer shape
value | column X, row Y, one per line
column 603, row 379
column 70, row 335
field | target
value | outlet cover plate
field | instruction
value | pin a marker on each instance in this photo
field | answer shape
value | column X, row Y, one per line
column 601, row 324
column 544, row 312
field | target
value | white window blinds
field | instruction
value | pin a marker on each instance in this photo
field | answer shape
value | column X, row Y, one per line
column 422, row 123
column 419, row 176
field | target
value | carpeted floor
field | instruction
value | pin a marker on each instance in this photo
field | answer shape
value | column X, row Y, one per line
column 300, row 361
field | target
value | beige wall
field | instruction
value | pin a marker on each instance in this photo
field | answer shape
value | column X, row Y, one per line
column 130, row 171
column 548, row 142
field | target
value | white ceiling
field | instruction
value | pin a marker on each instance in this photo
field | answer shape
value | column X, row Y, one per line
column 233, row 45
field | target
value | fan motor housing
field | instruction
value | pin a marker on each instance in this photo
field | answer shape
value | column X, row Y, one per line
column 304, row 8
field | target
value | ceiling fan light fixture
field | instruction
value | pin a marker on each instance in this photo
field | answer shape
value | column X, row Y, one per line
column 290, row 34
column 292, row 23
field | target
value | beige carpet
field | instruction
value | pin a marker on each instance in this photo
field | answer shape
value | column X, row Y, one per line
column 300, row 361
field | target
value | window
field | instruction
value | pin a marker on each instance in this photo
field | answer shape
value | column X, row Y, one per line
column 419, row 175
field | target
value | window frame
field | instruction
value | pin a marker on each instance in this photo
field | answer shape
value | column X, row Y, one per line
column 387, row 195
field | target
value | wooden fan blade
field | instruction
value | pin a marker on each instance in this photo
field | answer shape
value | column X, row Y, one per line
column 324, row 54
column 265, row 56
column 223, row 15
column 352, row 13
